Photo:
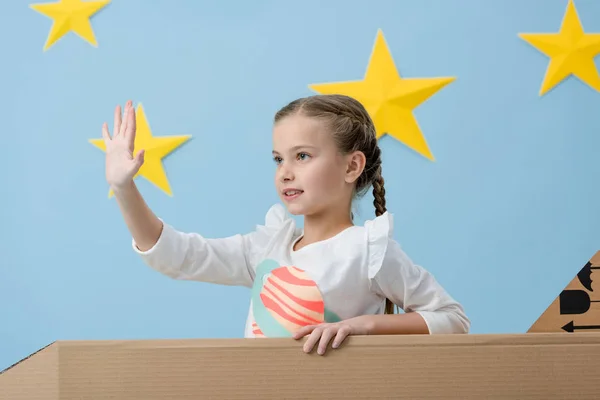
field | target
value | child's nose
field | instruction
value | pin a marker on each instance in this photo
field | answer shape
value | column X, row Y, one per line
column 286, row 174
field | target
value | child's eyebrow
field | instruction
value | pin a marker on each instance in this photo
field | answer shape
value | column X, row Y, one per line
column 296, row 148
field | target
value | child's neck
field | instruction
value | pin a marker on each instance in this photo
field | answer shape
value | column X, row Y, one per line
column 323, row 226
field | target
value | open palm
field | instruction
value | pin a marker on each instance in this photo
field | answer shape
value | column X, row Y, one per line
column 121, row 164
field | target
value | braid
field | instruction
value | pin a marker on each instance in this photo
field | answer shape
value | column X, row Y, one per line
column 389, row 307
column 378, row 188
column 379, row 203
column 379, row 196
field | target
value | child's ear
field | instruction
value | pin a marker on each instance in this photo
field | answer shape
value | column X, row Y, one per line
column 356, row 165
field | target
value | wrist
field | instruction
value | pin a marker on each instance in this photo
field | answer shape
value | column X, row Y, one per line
column 393, row 324
column 123, row 189
column 364, row 324
column 369, row 324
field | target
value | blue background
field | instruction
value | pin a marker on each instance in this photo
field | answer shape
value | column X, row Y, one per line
column 504, row 218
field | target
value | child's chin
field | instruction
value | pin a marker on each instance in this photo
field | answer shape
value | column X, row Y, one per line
column 295, row 209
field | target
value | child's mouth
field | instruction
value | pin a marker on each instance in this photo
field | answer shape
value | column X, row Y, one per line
column 291, row 194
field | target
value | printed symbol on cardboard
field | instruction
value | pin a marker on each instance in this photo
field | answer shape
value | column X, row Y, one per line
column 585, row 276
column 575, row 302
column 571, row 327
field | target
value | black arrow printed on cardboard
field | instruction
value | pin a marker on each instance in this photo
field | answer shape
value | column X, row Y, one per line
column 575, row 302
column 571, row 327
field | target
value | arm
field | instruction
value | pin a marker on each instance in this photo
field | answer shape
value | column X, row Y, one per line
column 428, row 307
column 410, row 323
column 191, row 256
column 144, row 226
column 182, row 255
column 176, row 254
column 121, row 168
column 179, row 255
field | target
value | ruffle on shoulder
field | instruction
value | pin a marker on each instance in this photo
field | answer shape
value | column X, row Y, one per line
column 277, row 226
column 276, row 216
column 276, row 219
column 379, row 232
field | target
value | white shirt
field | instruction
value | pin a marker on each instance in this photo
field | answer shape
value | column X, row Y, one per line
column 347, row 275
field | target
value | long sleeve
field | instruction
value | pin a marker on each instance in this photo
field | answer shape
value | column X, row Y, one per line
column 393, row 274
column 227, row 261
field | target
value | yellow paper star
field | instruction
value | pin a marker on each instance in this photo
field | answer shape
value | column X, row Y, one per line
column 156, row 148
column 388, row 98
column 70, row 15
column 571, row 51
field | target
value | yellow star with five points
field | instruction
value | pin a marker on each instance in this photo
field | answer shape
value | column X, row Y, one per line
column 571, row 51
column 388, row 98
column 70, row 15
column 156, row 148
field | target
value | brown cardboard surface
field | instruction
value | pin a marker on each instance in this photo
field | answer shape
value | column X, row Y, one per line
column 525, row 366
column 34, row 377
column 577, row 307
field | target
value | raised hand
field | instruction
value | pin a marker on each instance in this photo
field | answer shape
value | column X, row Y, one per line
column 121, row 165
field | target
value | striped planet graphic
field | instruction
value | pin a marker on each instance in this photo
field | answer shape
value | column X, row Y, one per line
column 292, row 298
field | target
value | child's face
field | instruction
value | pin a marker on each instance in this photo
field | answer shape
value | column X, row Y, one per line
column 311, row 173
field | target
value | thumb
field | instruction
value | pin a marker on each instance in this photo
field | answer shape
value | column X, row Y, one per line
column 139, row 158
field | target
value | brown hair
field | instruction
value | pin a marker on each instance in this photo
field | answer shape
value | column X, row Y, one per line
column 353, row 130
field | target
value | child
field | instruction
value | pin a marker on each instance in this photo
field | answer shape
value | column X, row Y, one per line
column 328, row 280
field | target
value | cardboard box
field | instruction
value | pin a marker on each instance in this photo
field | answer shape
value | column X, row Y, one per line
column 559, row 358
column 577, row 307
column 526, row 366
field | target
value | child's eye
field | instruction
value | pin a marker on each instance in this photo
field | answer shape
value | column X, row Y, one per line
column 277, row 159
column 303, row 156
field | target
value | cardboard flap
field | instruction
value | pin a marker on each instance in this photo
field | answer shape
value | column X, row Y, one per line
column 464, row 367
column 35, row 377
column 577, row 308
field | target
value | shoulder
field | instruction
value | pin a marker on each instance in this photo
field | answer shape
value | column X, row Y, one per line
column 278, row 229
column 368, row 243
column 380, row 250
column 278, row 225
column 380, row 243
column 379, row 231
column 277, row 218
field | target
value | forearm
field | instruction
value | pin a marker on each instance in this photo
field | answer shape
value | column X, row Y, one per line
column 144, row 226
column 394, row 324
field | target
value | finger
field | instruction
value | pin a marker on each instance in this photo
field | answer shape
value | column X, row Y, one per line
column 305, row 330
column 326, row 337
column 341, row 335
column 105, row 133
column 123, row 126
column 130, row 131
column 139, row 159
column 117, row 120
column 312, row 339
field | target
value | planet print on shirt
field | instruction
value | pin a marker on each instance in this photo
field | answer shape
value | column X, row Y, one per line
column 284, row 299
